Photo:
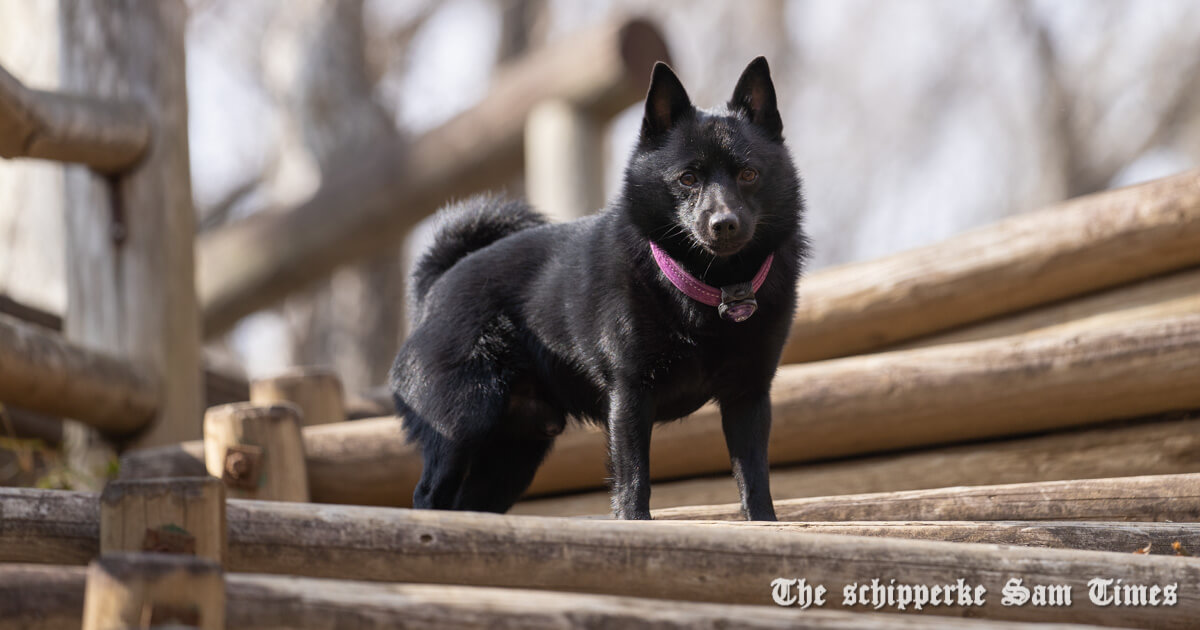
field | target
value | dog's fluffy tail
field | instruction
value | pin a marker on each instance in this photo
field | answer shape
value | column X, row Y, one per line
column 464, row 227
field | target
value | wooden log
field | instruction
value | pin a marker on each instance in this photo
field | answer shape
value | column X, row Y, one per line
column 1146, row 498
column 256, row 451
column 1158, row 447
column 181, row 515
column 316, row 391
column 1071, row 249
column 564, row 158
column 107, row 135
column 42, row 371
column 129, row 243
column 728, row 563
column 853, row 406
column 34, row 597
column 1119, row 537
column 141, row 590
column 374, row 202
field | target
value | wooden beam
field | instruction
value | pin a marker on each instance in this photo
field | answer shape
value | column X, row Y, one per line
column 564, row 161
column 182, row 515
column 1119, row 537
column 257, row 451
column 1118, row 450
column 40, row 597
column 129, row 242
column 1071, row 249
column 669, row 560
column 316, row 391
column 154, row 590
column 1173, row 294
column 373, row 203
column 853, row 406
column 1147, row 498
column 108, row 135
column 42, row 371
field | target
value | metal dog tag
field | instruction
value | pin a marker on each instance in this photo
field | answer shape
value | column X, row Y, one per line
column 737, row 302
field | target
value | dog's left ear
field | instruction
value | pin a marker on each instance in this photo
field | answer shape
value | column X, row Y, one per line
column 755, row 95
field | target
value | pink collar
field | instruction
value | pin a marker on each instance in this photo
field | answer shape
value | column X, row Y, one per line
column 733, row 303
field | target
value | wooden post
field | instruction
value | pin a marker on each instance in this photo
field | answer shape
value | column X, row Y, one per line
column 129, row 241
column 564, row 175
column 140, row 590
column 181, row 515
column 256, row 451
column 316, row 391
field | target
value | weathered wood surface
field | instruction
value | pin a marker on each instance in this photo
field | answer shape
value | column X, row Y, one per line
column 181, row 515
column 1173, row 294
column 1145, row 498
column 257, row 451
column 37, row 597
column 151, row 590
column 1115, row 536
column 729, row 563
column 382, row 194
column 853, row 406
column 107, row 135
column 42, row 371
column 1073, row 248
column 316, row 391
column 1151, row 447
column 129, row 239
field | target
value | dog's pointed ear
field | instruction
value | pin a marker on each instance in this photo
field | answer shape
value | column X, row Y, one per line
column 755, row 96
column 666, row 102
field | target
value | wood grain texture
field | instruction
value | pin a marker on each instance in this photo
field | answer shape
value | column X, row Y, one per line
column 316, row 391
column 129, row 240
column 106, row 135
column 144, row 590
column 1145, row 498
column 36, row 597
column 194, row 504
column 42, row 371
column 1070, row 249
column 721, row 563
column 1122, row 449
column 380, row 196
column 278, row 472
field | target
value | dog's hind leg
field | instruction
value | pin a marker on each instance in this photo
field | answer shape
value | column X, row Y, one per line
column 500, row 472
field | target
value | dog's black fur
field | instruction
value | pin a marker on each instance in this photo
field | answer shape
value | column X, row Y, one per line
column 519, row 323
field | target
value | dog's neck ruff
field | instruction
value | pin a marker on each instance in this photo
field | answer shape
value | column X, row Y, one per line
column 735, row 302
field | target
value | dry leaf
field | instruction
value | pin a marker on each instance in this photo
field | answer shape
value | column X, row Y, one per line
column 1179, row 550
column 1144, row 550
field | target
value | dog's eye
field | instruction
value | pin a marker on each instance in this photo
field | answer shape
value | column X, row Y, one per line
column 688, row 179
column 748, row 175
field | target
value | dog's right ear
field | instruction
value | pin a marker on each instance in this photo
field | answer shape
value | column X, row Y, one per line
column 666, row 103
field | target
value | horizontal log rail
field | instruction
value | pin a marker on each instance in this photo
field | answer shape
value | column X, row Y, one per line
column 1146, row 498
column 720, row 564
column 51, row 598
column 41, row 371
column 373, row 204
column 106, row 135
column 1079, row 246
column 853, row 406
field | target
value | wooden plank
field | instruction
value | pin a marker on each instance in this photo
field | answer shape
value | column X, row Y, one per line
column 1119, row 537
column 36, row 597
column 108, row 135
column 129, row 240
column 1173, row 294
column 377, row 199
column 1070, row 249
column 182, row 515
column 1154, row 447
column 257, row 451
column 669, row 560
column 1145, row 498
column 42, row 371
column 153, row 590
column 316, row 391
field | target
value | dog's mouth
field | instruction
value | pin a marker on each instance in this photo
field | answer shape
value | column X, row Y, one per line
column 723, row 247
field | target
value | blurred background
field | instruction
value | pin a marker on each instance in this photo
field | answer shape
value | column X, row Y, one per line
column 910, row 122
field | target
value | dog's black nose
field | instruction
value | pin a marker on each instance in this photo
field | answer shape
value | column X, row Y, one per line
column 724, row 225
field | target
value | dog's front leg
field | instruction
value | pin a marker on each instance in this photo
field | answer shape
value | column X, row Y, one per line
column 747, row 425
column 629, row 425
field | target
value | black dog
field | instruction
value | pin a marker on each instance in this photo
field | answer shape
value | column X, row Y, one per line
column 680, row 292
